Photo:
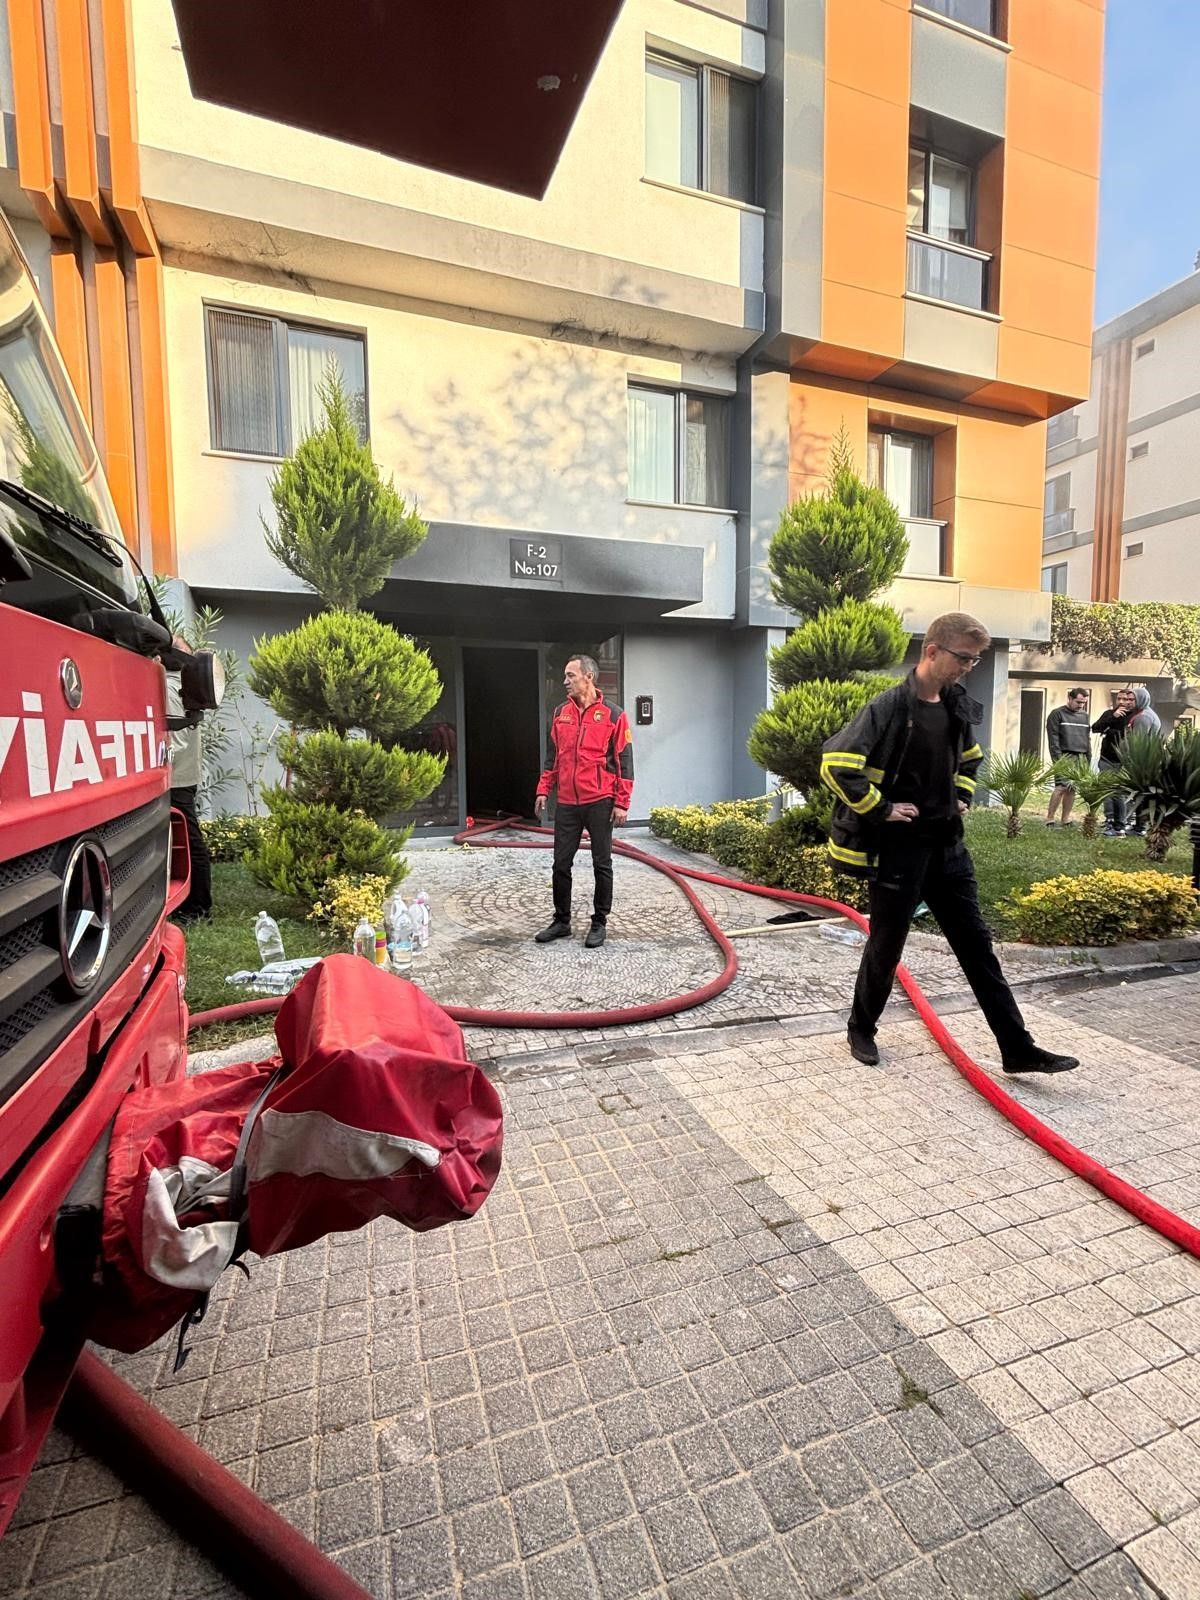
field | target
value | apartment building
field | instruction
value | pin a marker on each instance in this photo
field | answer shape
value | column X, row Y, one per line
column 1122, row 505
column 772, row 218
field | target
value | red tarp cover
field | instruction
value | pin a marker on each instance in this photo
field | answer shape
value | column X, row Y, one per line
column 379, row 1113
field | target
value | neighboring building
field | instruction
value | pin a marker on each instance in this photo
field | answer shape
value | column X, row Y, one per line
column 1122, row 509
column 770, row 219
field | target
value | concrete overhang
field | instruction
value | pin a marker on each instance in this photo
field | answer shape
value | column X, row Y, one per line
column 483, row 90
column 465, row 580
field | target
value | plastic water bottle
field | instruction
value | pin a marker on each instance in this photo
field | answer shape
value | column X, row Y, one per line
column 400, row 936
column 270, row 940
column 422, row 921
column 364, row 939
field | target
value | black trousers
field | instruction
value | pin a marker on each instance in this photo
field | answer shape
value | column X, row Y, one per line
column 569, row 823
column 199, row 900
column 912, row 870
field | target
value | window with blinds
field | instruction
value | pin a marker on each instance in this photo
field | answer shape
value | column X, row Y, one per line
column 265, row 376
column 701, row 128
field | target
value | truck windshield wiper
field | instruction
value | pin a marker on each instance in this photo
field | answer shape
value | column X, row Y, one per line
column 85, row 531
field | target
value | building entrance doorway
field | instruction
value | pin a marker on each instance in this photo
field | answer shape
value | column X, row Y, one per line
column 501, row 712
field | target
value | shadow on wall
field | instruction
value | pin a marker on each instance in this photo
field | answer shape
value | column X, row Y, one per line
column 784, row 457
column 543, row 444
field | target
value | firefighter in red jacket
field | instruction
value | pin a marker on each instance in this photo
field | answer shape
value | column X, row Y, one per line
column 589, row 763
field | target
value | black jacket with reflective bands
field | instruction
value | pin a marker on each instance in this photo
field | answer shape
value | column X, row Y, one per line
column 860, row 765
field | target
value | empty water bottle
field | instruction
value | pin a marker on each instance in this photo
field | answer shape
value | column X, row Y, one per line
column 839, row 933
column 422, row 921
column 364, row 939
column 270, row 940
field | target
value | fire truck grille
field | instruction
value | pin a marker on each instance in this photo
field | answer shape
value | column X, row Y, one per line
column 38, row 1007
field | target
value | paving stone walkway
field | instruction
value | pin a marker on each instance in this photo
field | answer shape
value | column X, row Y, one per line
column 741, row 1319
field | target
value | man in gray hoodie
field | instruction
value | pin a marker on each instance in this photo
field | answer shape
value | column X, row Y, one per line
column 1144, row 720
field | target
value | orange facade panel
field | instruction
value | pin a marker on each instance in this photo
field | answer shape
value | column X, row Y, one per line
column 1065, row 37
column 1041, row 295
column 997, row 544
column 70, row 318
column 1040, row 361
column 866, row 146
column 1050, row 209
column 115, row 391
column 1054, row 119
column 861, row 319
column 864, row 245
column 867, row 45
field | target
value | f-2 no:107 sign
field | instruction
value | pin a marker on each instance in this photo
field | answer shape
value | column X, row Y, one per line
column 537, row 559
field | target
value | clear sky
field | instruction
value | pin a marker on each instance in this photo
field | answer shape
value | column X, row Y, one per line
column 1150, row 167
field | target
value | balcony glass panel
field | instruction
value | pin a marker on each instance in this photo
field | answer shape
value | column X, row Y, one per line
column 1056, row 522
column 977, row 14
column 950, row 275
column 926, row 548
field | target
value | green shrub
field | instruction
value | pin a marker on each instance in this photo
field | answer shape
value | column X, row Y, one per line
column 740, row 843
column 229, row 838
column 304, row 846
column 343, row 670
column 693, row 827
column 1101, row 908
column 358, row 774
column 807, row 869
column 754, row 810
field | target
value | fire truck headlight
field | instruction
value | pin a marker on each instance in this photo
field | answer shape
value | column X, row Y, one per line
column 201, row 681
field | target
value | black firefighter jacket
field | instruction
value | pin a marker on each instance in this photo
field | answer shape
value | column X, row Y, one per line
column 861, row 762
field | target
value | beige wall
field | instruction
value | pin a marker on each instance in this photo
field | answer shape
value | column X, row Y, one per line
column 478, row 424
column 1171, row 371
column 597, row 200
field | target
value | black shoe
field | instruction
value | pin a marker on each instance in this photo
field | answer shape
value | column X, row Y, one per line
column 556, row 930
column 1038, row 1060
column 596, row 936
column 862, row 1048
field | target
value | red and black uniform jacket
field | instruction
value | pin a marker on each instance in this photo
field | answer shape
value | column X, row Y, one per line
column 589, row 755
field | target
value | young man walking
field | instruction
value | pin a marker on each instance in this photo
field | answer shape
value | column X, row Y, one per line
column 1067, row 734
column 903, row 773
column 589, row 763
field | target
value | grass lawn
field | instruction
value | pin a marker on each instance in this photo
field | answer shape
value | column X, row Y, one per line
column 1003, row 864
column 227, row 944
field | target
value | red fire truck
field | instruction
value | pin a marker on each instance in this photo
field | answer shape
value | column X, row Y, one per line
column 91, row 972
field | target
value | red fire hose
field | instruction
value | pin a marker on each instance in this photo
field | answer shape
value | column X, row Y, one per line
column 1172, row 1226
column 188, row 1484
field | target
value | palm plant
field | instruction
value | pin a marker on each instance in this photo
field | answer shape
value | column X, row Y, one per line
column 1163, row 779
column 1013, row 777
column 1092, row 787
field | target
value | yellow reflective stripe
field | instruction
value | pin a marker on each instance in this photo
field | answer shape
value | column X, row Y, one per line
column 852, row 858
column 844, row 758
column 972, row 753
column 874, row 773
column 869, row 801
column 966, row 783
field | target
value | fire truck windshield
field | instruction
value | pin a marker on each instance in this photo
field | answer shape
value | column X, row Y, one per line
column 47, row 450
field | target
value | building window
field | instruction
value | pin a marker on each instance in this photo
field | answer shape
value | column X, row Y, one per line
column 1134, row 549
column 943, row 263
column 901, row 464
column 701, row 128
column 678, row 447
column 1062, row 429
column 977, row 14
column 264, row 376
column 1054, row 579
column 1057, row 513
column 1145, row 349
column 1140, row 450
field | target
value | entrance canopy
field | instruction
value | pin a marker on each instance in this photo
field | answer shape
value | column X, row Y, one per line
column 467, row 581
column 483, row 89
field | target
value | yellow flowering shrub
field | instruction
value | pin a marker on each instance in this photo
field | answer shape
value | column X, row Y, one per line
column 1101, row 908
column 346, row 901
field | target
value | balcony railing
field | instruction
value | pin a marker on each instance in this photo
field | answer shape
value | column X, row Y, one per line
column 1056, row 522
column 939, row 270
column 977, row 14
column 926, row 548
